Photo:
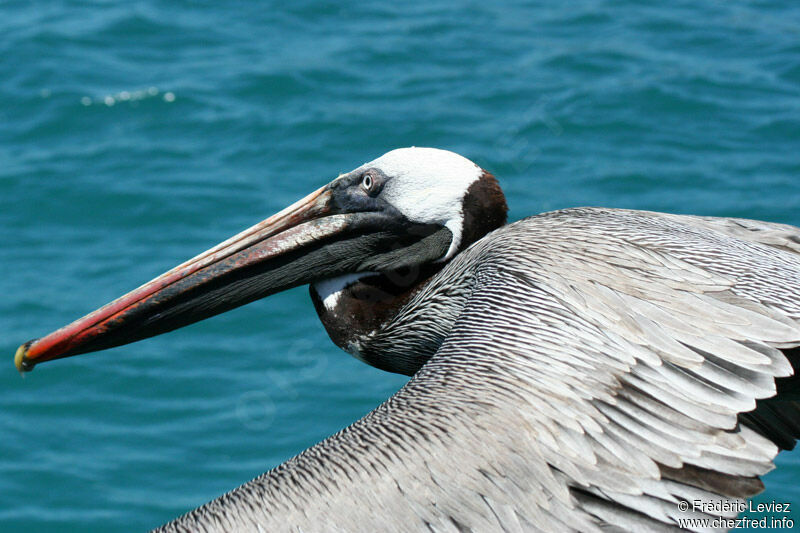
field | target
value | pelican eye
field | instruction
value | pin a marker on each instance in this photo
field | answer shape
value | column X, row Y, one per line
column 368, row 182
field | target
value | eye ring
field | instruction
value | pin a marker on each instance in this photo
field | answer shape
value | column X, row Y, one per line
column 368, row 182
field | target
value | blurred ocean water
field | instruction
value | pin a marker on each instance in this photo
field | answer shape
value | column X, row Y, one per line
column 134, row 135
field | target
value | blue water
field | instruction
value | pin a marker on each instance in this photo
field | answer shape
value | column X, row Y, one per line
column 136, row 134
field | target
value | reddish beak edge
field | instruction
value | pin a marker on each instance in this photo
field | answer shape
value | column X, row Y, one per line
column 294, row 226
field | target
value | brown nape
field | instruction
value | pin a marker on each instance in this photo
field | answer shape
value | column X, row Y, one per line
column 484, row 209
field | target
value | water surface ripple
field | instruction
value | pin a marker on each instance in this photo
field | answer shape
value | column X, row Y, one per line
column 134, row 135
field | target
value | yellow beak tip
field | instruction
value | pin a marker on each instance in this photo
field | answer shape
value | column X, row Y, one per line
column 21, row 361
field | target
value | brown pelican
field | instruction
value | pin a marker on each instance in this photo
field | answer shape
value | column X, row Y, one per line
column 581, row 370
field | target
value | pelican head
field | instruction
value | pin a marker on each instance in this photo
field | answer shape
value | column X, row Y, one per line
column 382, row 229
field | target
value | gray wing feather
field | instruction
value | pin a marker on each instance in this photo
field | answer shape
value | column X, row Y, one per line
column 594, row 378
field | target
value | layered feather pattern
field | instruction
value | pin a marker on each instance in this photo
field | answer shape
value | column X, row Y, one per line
column 595, row 368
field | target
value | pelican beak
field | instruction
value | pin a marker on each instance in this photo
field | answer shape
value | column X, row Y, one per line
column 288, row 249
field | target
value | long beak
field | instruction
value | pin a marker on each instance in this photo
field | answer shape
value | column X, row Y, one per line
column 255, row 263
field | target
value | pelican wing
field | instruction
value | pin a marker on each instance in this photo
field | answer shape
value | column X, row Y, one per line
column 605, row 367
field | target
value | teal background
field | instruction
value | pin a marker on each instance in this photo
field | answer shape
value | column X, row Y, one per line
column 135, row 134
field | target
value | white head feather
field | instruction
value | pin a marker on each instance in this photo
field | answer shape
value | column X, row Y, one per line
column 428, row 185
